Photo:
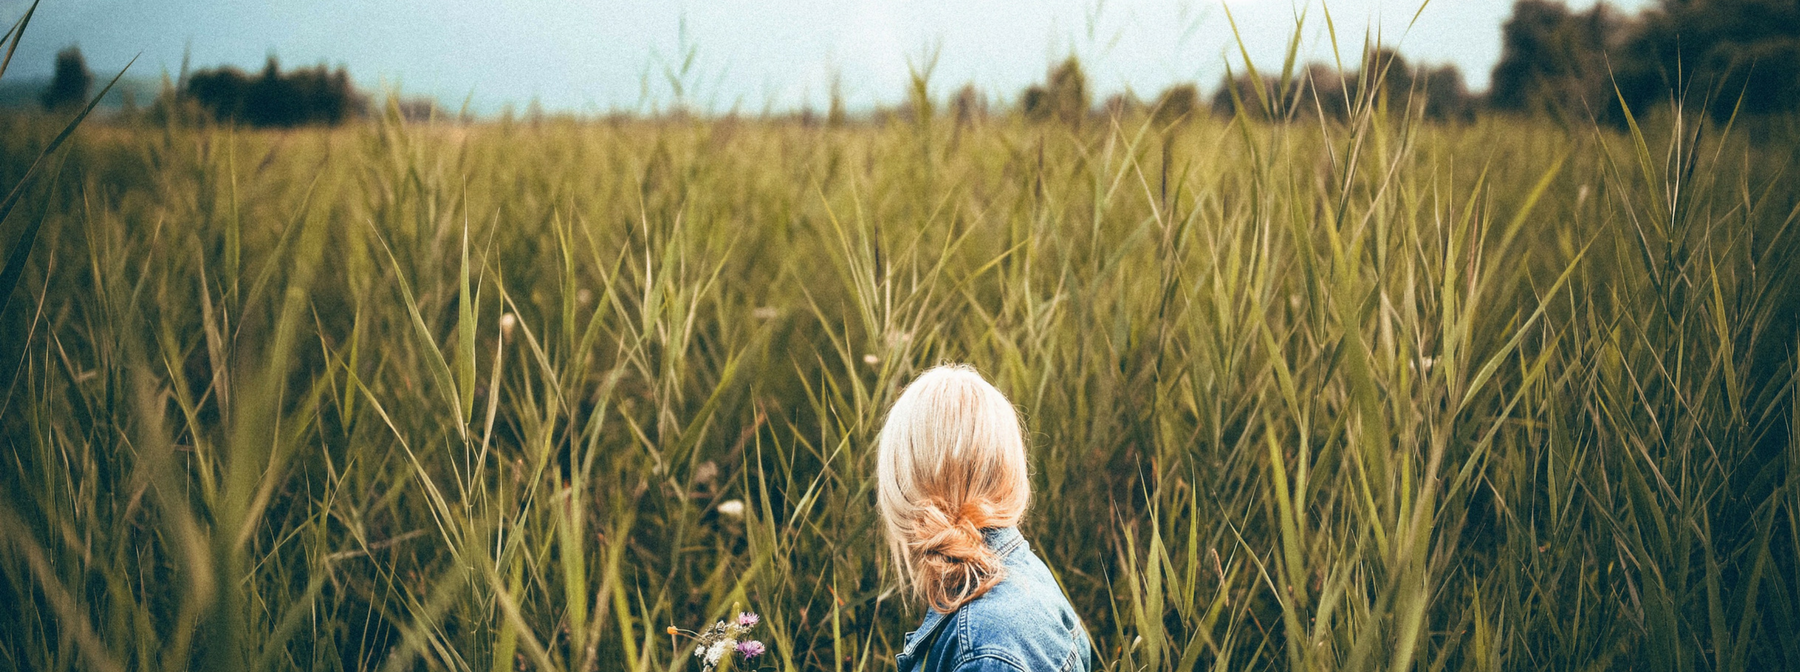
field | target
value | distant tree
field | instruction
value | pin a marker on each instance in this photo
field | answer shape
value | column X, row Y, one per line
column 1325, row 92
column 1554, row 61
column 1120, row 105
column 324, row 96
column 1384, row 78
column 1177, row 103
column 71, row 83
column 1069, row 92
column 1445, row 96
column 1717, row 49
column 1035, row 102
column 1224, row 105
column 1709, row 52
column 1389, row 71
column 968, row 105
column 1064, row 97
column 1437, row 94
column 221, row 92
column 273, row 98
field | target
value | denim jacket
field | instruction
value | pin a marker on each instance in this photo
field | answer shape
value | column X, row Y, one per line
column 1023, row 624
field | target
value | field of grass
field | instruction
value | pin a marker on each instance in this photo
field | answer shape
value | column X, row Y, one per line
column 1372, row 394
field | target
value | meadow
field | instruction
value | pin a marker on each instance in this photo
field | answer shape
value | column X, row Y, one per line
column 1301, row 394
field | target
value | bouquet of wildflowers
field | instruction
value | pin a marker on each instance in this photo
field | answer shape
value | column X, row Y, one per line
column 722, row 639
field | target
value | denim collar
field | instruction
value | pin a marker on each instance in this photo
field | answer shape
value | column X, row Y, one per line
column 1003, row 541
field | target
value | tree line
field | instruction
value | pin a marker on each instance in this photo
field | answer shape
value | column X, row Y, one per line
column 1724, row 56
column 270, row 98
column 298, row 97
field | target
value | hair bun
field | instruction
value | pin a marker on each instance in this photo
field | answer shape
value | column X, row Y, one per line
column 953, row 555
column 955, row 538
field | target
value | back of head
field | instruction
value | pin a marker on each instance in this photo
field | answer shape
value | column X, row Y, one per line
column 951, row 463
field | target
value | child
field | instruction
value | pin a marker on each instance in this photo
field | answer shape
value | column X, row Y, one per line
column 953, row 485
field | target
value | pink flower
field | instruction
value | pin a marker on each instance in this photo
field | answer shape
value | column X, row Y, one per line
column 748, row 619
column 752, row 648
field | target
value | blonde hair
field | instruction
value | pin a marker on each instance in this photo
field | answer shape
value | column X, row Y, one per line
column 951, row 462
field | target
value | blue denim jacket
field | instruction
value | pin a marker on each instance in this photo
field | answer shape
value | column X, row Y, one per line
column 1024, row 624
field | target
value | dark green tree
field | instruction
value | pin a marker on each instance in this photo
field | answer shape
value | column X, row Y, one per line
column 1714, row 51
column 1245, row 87
column 1443, row 94
column 1384, row 78
column 71, row 83
column 1708, row 53
column 1554, row 61
column 273, row 98
column 1177, row 103
column 1064, row 97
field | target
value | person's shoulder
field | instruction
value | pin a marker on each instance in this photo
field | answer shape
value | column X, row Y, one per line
column 1023, row 623
column 1028, row 591
column 985, row 641
column 1007, row 618
column 997, row 640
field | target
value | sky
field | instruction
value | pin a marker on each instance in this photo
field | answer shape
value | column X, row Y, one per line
column 597, row 56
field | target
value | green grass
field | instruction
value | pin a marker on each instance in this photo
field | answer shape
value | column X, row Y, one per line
column 1375, row 394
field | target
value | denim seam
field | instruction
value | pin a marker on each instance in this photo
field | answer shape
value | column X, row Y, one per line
column 1011, row 546
column 1068, row 662
column 992, row 655
column 974, row 653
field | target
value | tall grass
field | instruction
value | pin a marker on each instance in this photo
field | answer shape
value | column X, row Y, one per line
column 1372, row 394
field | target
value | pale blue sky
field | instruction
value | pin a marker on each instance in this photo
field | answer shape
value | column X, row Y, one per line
column 594, row 55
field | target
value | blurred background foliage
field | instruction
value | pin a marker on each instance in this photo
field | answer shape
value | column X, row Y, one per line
column 1722, row 56
column 1308, row 387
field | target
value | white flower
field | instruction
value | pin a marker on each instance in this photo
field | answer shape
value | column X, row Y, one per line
column 732, row 507
column 507, row 322
column 871, row 360
column 718, row 651
column 699, row 651
column 583, row 296
column 706, row 472
column 764, row 313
